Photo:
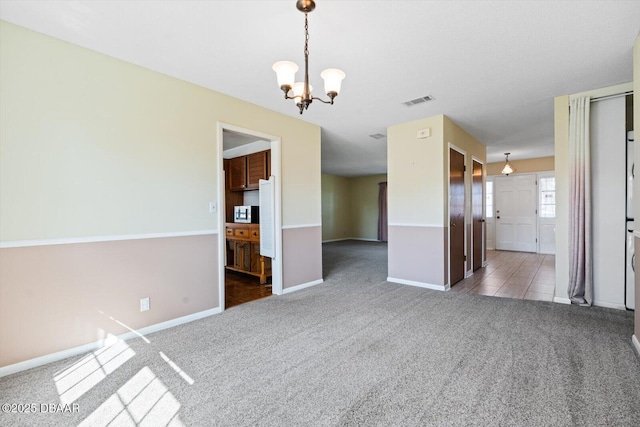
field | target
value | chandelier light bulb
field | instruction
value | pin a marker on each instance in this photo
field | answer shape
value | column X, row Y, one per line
column 332, row 80
column 286, row 73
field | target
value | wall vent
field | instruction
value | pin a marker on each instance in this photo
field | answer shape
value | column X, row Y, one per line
column 377, row 136
column 417, row 101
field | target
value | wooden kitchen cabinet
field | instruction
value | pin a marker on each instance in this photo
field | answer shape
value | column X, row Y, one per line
column 247, row 171
column 256, row 169
column 238, row 173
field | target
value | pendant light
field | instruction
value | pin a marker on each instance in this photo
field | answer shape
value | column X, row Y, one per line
column 300, row 92
column 507, row 169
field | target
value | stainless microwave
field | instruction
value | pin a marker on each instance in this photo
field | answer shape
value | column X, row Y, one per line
column 246, row 214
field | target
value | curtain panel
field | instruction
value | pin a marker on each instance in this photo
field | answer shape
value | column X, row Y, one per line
column 580, row 288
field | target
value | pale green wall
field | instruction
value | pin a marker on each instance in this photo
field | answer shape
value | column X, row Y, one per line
column 335, row 207
column 364, row 192
column 350, row 207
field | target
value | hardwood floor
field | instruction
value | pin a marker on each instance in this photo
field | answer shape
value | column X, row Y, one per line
column 518, row 275
column 240, row 288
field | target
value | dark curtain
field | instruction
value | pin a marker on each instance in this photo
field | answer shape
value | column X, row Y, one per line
column 382, row 212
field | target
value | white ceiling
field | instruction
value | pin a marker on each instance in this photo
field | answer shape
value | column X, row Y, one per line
column 493, row 67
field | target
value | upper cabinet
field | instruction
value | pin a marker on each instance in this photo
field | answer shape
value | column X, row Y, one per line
column 246, row 171
column 238, row 173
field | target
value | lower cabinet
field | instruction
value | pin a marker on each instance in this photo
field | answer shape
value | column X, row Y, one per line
column 243, row 252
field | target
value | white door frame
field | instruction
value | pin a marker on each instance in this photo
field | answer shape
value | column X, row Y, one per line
column 276, row 169
column 447, row 219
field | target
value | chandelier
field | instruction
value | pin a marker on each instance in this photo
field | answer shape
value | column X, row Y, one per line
column 507, row 169
column 300, row 92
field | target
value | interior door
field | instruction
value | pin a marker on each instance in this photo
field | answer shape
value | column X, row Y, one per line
column 456, row 216
column 477, row 195
column 515, row 217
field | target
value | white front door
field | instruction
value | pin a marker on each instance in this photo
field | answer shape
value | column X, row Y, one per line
column 515, row 212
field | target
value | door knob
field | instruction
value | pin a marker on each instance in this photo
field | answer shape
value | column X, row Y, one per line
column 453, row 224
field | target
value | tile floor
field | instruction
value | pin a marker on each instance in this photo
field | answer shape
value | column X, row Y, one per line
column 518, row 275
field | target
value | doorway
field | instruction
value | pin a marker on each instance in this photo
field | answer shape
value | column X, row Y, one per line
column 516, row 213
column 245, row 274
column 457, row 258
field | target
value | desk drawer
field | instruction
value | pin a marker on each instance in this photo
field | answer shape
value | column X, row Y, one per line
column 229, row 232
column 241, row 232
column 255, row 234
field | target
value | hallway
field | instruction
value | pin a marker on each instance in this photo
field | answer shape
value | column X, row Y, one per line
column 517, row 275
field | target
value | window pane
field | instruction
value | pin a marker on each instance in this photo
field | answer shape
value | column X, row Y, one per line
column 548, row 197
column 489, row 200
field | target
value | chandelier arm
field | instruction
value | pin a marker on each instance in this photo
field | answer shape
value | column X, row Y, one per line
column 322, row 100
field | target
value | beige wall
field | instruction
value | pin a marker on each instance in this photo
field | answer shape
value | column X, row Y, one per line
column 415, row 168
column 538, row 164
column 364, row 192
column 561, row 135
column 335, row 208
column 94, row 146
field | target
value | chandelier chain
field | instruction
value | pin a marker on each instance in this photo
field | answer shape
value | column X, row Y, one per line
column 306, row 35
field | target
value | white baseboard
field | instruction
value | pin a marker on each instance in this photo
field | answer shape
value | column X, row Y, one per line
column 336, row 240
column 302, row 286
column 636, row 344
column 610, row 305
column 419, row 284
column 485, row 263
column 75, row 351
column 562, row 300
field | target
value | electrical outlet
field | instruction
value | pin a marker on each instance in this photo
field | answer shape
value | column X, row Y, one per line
column 144, row 304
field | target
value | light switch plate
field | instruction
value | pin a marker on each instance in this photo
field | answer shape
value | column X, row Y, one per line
column 213, row 208
column 144, row 304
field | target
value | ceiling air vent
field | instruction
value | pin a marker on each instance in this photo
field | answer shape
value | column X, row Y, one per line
column 418, row 101
column 377, row 136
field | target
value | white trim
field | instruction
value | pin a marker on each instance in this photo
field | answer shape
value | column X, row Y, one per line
column 561, row 300
column 636, row 233
column 610, row 305
column 74, row 351
column 96, row 239
column 636, row 343
column 336, row 240
column 302, row 286
column 289, row 227
column 396, row 224
column 419, row 284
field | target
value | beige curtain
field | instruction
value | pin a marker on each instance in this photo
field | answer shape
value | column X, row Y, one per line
column 382, row 213
column 580, row 287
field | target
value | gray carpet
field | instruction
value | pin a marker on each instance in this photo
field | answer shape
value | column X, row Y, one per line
column 357, row 350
